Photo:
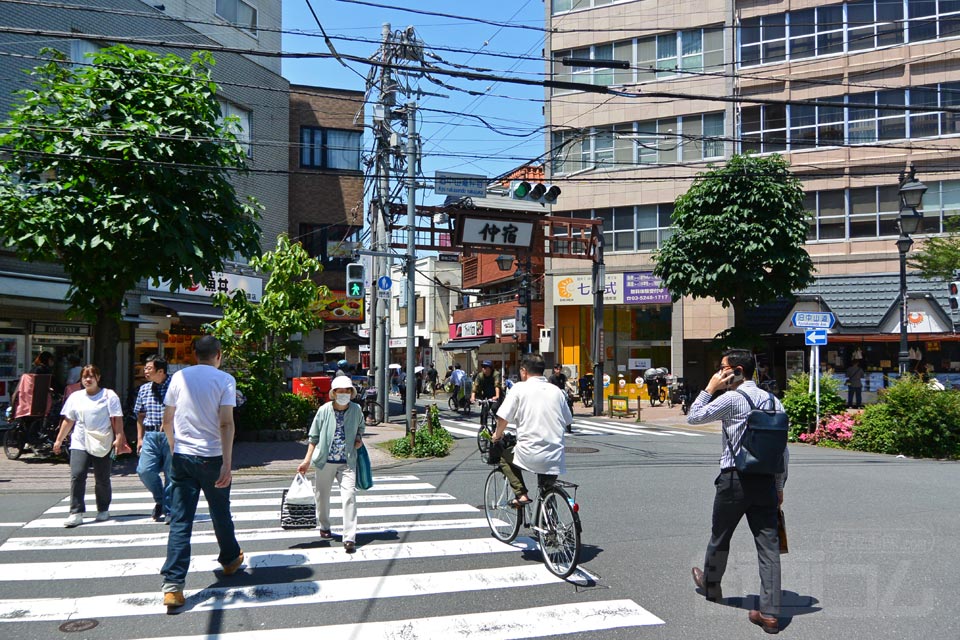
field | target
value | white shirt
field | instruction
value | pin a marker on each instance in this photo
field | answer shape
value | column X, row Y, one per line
column 90, row 412
column 540, row 411
column 198, row 392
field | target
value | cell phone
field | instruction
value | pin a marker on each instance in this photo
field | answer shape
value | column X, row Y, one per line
column 737, row 376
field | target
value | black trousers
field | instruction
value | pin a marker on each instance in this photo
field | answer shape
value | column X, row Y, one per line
column 755, row 497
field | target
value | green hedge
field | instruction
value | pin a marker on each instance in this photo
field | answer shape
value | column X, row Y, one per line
column 435, row 444
column 801, row 406
column 911, row 419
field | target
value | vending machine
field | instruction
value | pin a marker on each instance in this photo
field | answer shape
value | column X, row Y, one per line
column 11, row 368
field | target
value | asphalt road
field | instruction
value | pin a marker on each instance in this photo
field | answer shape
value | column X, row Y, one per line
column 874, row 544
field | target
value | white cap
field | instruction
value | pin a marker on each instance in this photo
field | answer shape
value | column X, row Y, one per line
column 341, row 382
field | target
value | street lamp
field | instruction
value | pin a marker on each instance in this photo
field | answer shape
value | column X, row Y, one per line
column 911, row 196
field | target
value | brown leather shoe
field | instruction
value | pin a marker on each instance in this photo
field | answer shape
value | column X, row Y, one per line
column 349, row 546
column 716, row 595
column 768, row 623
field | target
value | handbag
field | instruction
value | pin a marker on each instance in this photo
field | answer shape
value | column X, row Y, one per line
column 364, row 472
column 297, row 516
column 782, row 532
column 300, row 491
column 97, row 443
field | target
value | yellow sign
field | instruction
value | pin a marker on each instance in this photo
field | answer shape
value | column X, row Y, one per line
column 619, row 404
column 336, row 307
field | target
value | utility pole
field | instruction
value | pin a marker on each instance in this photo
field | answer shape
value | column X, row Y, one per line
column 599, row 285
column 411, row 263
column 379, row 355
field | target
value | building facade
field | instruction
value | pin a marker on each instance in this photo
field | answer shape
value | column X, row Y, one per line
column 849, row 92
column 32, row 312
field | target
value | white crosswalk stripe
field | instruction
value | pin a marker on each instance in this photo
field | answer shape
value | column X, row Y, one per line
column 412, row 545
column 582, row 426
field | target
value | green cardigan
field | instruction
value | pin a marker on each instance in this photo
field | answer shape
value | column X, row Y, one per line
column 325, row 425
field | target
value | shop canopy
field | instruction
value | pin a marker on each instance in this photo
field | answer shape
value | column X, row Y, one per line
column 465, row 344
column 338, row 337
column 188, row 308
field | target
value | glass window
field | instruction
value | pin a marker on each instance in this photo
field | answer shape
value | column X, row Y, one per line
column 803, row 44
column 603, row 148
column 750, row 31
column 891, row 124
column 647, row 142
column 860, row 25
column 829, row 30
column 647, row 216
column 924, row 124
column 561, row 72
column 889, row 22
column 665, row 214
column 712, row 49
column 623, row 51
column 692, row 140
column 623, row 218
column 238, row 13
column 646, row 59
column 623, row 145
column 832, row 215
column 923, row 23
column 713, row 135
column 669, row 141
column 692, row 50
column 829, row 125
column 603, row 76
column 666, row 55
column 646, row 239
column 803, row 130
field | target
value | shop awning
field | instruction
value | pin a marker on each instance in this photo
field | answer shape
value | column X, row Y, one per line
column 188, row 309
column 465, row 344
column 338, row 337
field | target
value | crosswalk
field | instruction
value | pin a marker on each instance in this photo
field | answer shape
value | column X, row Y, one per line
column 581, row 426
column 417, row 547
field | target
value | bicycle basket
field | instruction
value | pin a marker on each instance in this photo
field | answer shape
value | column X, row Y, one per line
column 490, row 451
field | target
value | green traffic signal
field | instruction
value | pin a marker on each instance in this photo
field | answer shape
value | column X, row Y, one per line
column 356, row 289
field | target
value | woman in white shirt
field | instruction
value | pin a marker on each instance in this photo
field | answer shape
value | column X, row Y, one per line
column 97, row 415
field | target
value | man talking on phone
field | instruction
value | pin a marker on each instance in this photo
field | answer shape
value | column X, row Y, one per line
column 756, row 496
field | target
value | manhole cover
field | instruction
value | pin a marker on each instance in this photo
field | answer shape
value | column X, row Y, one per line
column 78, row 625
column 581, row 450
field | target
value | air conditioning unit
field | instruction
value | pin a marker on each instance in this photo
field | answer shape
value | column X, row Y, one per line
column 546, row 340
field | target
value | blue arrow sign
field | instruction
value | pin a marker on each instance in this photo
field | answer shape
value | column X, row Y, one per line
column 814, row 319
column 816, row 337
column 384, row 283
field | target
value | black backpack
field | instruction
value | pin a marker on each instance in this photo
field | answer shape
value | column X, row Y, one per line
column 760, row 451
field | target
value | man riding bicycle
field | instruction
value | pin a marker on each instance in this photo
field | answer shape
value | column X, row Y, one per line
column 540, row 412
column 487, row 386
column 458, row 378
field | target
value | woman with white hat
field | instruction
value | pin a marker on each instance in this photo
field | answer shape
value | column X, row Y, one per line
column 335, row 436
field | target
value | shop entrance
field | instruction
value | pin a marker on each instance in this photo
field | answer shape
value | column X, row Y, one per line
column 63, row 349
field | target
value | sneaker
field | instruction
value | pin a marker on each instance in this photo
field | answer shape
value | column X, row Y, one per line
column 102, row 516
column 73, row 520
column 233, row 567
column 173, row 599
column 157, row 513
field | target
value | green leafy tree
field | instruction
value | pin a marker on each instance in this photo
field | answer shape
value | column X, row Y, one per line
column 739, row 238
column 256, row 338
column 118, row 171
column 940, row 255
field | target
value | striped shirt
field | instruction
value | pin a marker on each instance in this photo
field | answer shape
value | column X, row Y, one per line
column 151, row 404
column 732, row 409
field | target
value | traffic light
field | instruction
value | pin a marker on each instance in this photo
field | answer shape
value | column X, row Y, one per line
column 955, row 295
column 524, row 291
column 356, row 285
column 522, row 297
column 539, row 192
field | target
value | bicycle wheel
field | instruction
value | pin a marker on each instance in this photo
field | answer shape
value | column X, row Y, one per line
column 503, row 519
column 483, row 442
column 558, row 533
column 452, row 403
column 484, row 414
column 13, row 441
column 374, row 413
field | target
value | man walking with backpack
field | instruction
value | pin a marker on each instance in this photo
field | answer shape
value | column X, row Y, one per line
column 738, row 493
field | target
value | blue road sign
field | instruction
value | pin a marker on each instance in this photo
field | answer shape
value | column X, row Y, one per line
column 816, row 337
column 384, row 283
column 814, row 319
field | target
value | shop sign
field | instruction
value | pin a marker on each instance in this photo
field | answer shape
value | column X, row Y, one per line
column 521, row 319
column 639, row 364
column 508, row 326
column 636, row 287
column 475, row 329
column 217, row 282
column 60, row 328
column 336, row 307
column 401, row 343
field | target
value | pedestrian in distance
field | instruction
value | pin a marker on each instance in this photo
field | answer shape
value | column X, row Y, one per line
column 198, row 423
column 540, row 412
column 95, row 416
column 432, row 376
column 73, row 373
column 855, row 385
column 758, row 496
column 152, row 445
column 335, row 435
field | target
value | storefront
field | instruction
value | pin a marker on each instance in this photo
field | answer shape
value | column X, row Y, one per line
column 637, row 323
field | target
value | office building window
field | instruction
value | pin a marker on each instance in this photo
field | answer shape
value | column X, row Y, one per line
column 237, row 121
column 336, row 149
column 239, row 13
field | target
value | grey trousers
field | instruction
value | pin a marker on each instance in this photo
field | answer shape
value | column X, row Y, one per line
column 755, row 497
column 79, row 466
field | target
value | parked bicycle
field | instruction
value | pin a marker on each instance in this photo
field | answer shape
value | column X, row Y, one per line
column 34, row 433
column 372, row 410
column 555, row 520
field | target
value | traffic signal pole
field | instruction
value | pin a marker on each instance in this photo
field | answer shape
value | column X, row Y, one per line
column 411, row 262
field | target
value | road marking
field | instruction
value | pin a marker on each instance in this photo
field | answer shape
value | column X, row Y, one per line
column 80, row 569
column 12, row 524
column 385, row 486
column 621, row 429
column 461, row 432
column 253, row 516
column 243, row 535
column 277, row 594
column 264, row 502
column 535, row 622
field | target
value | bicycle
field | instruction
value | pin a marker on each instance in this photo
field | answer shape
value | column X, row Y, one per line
column 556, row 520
column 459, row 401
column 487, row 427
column 372, row 410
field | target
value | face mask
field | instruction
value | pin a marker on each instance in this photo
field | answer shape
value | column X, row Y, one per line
column 342, row 398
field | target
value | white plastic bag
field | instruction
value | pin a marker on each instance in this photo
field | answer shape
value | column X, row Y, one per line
column 300, row 491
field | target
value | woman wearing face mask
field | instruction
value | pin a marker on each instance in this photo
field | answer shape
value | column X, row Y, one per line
column 335, row 436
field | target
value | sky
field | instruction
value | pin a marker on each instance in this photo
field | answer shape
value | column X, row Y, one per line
column 453, row 137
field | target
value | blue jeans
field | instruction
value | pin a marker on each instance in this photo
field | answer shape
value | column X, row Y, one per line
column 190, row 475
column 155, row 458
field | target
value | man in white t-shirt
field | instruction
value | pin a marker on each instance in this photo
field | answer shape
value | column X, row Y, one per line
column 198, row 423
column 540, row 412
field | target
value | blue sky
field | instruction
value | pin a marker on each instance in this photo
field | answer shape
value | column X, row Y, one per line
column 453, row 141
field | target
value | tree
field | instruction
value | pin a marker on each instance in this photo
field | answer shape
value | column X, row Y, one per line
column 256, row 338
column 118, row 170
column 739, row 238
column 940, row 255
